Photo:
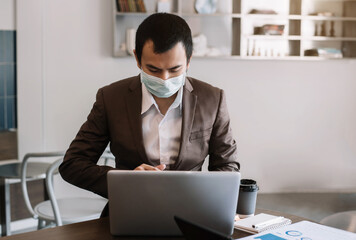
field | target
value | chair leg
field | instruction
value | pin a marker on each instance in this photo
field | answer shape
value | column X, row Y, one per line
column 41, row 224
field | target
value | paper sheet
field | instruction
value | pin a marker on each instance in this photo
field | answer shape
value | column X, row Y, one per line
column 304, row 230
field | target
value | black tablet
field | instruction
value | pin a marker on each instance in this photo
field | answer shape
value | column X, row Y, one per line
column 194, row 231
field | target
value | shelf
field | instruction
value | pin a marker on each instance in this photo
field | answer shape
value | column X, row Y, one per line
column 137, row 14
column 295, row 17
column 273, row 37
column 299, row 17
column 237, row 15
column 273, row 16
column 297, row 58
column 134, row 14
column 278, row 58
column 321, row 18
column 294, row 58
column 231, row 28
column 320, row 38
column 210, row 15
column 260, row 58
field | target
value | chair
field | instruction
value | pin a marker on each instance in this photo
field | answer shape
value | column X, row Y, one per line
column 59, row 211
column 10, row 173
column 107, row 155
column 342, row 220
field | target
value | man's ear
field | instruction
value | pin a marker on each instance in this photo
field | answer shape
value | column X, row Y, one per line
column 137, row 61
column 189, row 62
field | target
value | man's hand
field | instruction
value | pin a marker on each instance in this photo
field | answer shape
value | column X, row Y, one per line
column 145, row 167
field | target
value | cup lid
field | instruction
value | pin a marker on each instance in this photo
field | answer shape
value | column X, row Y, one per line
column 248, row 185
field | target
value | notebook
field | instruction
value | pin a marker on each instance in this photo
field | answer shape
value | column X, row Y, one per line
column 143, row 203
column 261, row 222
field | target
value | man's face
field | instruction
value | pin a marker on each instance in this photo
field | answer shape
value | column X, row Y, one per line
column 165, row 65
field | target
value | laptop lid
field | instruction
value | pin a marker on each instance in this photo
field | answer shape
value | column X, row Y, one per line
column 193, row 231
column 144, row 203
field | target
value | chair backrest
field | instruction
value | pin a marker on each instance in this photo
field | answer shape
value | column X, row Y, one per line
column 49, row 172
column 24, row 166
column 50, row 191
column 108, row 157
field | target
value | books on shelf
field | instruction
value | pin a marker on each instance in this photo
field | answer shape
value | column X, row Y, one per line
column 261, row 222
column 130, row 6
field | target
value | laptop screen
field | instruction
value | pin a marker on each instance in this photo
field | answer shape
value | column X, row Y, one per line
column 145, row 203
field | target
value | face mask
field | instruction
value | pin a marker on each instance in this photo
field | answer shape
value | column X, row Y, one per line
column 162, row 88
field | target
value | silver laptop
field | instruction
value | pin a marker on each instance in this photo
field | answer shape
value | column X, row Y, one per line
column 145, row 203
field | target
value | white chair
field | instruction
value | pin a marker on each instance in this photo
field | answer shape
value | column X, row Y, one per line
column 108, row 156
column 59, row 211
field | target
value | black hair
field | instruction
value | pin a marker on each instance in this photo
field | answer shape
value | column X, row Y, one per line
column 165, row 30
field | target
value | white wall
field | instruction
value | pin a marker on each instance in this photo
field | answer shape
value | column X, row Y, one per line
column 294, row 120
column 7, row 15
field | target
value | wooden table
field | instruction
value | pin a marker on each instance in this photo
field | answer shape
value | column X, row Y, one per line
column 99, row 229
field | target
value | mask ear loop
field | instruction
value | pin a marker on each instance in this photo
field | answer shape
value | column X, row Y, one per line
column 142, row 71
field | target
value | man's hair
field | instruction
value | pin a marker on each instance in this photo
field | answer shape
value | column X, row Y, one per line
column 165, row 30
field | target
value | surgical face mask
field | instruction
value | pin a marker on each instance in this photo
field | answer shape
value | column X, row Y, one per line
column 162, row 88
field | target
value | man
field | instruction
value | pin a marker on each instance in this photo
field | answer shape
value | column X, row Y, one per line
column 159, row 120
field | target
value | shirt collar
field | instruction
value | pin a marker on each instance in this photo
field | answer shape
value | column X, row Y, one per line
column 148, row 100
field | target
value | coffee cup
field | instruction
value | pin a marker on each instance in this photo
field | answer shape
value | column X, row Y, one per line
column 246, row 204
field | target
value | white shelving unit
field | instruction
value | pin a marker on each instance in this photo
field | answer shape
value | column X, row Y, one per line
column 230, row 30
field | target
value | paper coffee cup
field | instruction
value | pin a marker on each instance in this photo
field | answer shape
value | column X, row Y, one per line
column 246, row 204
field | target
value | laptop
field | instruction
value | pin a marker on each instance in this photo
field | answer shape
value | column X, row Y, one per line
column 193, row 231
column 144, row 203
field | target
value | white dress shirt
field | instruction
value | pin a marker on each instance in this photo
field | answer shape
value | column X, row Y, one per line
column 161, row 133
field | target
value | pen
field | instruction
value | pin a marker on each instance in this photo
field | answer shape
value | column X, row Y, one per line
column 268, row 222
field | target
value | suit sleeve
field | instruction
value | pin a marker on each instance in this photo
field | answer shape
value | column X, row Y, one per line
column 222, row 146
column 79, row 166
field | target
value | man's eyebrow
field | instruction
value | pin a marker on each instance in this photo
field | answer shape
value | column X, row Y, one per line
column 175, row 67
column 156, row 68
column 153, row 67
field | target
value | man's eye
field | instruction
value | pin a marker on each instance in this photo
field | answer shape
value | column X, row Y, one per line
column 175, row 70
column 153, row 71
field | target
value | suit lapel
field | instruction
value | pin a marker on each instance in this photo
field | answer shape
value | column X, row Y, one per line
column 189, row 104
column 133, row 106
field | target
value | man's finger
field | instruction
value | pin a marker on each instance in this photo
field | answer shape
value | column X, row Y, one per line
column 139, row 168
column 149, row 167
column 161, row 167
column 145, row 167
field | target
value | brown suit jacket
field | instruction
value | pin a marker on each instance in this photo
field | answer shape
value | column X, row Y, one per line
column 116, row 119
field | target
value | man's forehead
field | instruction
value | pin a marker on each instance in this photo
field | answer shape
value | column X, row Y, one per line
column 169, row 59
column 149, row 45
